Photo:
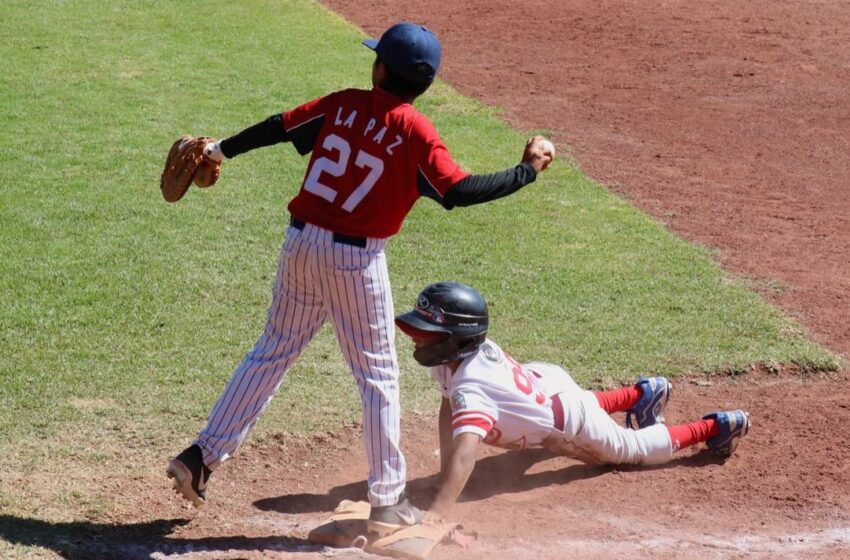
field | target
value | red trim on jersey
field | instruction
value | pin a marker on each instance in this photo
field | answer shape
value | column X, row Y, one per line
column 478, row 422
column 457, row 415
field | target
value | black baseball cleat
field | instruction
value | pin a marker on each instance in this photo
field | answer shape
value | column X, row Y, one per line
column 386, row 520
column 190, row 475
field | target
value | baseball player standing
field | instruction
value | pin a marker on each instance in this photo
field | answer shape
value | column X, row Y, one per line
column 372, row 156
column 488, row 396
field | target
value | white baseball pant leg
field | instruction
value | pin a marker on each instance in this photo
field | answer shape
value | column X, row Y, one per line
column 608, row 442
column 295, row 315
column 357, row 295
column 318, row 278
column 592, row 435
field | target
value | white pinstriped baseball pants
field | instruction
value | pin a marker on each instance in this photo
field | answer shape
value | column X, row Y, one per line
column 318, row 279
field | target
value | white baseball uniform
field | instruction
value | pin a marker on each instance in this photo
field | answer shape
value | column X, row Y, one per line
column 514, row 406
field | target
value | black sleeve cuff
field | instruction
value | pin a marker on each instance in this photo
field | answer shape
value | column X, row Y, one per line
column 265, row 133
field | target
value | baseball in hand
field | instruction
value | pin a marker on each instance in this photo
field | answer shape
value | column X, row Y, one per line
column 547, row 147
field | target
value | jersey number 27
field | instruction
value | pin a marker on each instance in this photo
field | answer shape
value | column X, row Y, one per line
column 337, row 167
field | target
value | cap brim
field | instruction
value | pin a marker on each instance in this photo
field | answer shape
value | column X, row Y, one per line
column 371, row 43
column 412, row 323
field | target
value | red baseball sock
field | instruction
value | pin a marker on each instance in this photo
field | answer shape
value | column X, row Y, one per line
column 618, row 400
column 686, row 435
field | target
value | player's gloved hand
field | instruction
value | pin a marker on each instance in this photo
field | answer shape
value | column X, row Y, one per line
column 209, row 168
column 186, row 163
column 536, row 153
column 213, row 151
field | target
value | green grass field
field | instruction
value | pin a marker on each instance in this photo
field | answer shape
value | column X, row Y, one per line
column 123, row 316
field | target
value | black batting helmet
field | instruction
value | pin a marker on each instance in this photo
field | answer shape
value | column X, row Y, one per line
column 451, row 308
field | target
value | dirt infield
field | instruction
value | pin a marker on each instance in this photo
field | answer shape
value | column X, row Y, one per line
column 783, row 495
column 726, row 121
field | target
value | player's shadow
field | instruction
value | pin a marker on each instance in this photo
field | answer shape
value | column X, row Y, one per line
column 309, row 503
column 497, row 474
column 506, row 473
column 82, row 540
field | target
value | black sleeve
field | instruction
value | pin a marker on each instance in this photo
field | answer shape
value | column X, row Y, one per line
column 266, row 133
column 477, row 189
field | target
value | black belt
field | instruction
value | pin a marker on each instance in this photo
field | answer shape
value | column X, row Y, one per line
column 338, row 237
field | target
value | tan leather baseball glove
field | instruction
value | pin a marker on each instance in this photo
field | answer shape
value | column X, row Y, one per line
column 186, row 163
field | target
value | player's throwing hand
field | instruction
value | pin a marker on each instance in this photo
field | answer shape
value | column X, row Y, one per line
column 539, row 153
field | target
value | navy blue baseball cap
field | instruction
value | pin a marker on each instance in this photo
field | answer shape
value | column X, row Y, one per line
column 410, row 50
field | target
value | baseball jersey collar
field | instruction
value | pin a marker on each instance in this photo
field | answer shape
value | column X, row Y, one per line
column 388, row 97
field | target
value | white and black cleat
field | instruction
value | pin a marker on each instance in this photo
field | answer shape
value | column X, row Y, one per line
column 190, row 475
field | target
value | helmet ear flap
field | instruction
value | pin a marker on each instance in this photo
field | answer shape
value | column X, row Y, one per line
column 472, row 341
column 436, row 354
column 469, row 345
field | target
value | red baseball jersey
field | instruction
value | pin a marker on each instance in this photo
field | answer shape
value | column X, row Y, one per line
column 373, row 156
